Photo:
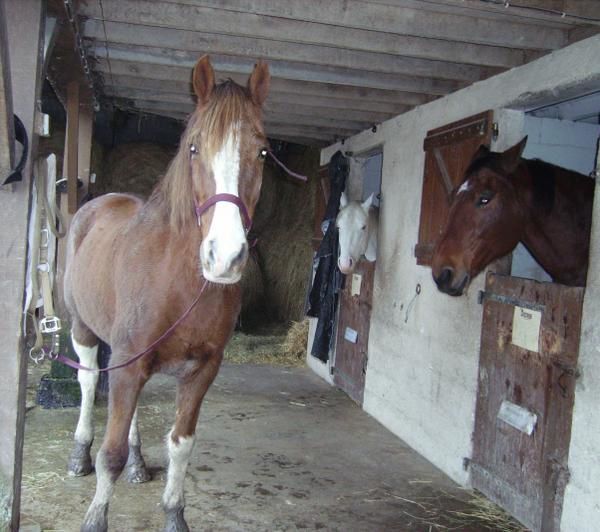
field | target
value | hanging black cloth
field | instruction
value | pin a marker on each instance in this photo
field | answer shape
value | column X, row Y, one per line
column 21, row 137
column 323, row 297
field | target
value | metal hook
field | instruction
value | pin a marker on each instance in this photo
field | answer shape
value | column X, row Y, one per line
column 412, row 301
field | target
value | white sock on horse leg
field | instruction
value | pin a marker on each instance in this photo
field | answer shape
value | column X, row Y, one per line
column 88, row 356
column 179, row 455
column 134, row 434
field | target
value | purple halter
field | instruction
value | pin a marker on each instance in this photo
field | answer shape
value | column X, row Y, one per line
column 231, row 198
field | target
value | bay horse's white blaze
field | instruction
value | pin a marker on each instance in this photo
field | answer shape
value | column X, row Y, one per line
column 464, row 187
column 88, row 356
column 179, row 456
column 357, row 224
column 226, row 237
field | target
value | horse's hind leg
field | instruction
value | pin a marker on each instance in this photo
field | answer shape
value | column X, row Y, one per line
column 136, row 467
column 180, row 442
column 125, row 386
column 86, row 347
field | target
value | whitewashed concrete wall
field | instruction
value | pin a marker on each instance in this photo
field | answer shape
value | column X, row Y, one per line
column 422, row 374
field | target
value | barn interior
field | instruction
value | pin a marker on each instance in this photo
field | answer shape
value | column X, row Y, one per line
column 370, row 79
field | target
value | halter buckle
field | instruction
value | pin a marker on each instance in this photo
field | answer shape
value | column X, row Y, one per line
column 50, row 324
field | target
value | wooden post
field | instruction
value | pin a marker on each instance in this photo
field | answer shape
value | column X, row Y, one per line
column 71, row 153
column 86, row 123
column 22, row 23
column 7, row 141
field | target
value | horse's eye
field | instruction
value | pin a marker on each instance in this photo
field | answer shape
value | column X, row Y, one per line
column 484, row 199
column 262, row 153
column 193, row 149
column 363, row 227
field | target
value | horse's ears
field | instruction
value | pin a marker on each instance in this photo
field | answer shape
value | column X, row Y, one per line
column 203, row 79
column 258, row 83
column 512, row 157
column 482, row 151
column 343, row 200
column 366, row 205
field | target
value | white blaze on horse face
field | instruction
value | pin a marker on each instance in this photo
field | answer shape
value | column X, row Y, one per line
column 226, row 232
column 464, row 187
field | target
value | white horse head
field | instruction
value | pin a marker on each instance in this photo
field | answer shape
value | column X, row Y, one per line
column 357, row 225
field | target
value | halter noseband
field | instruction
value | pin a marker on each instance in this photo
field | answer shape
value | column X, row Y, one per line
column 231, row 198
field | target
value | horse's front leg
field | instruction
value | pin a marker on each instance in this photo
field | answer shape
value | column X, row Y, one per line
column 180, row 441
column 136, row 466
column 80, row 461
column 124, row 389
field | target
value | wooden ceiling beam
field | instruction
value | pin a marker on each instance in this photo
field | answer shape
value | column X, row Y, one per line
column 379, row 110
column 283, row 69
column 308, row 22
column 177, row 79
column 310, row 54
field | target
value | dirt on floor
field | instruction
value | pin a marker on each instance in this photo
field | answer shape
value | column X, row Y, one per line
column 277, row 449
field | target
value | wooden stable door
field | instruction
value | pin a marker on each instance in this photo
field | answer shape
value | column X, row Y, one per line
column 527, row 372
column 351, row 355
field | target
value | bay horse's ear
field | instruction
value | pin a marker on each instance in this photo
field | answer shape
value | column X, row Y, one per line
column 258, row 83
column 343, row 200
column 203, row 79
column 512, row 157
column 482, row 151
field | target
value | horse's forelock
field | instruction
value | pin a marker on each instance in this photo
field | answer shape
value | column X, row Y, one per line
column 227, row 108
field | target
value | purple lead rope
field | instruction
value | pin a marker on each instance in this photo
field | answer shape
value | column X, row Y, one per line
column 293, row 174
column 75, row 365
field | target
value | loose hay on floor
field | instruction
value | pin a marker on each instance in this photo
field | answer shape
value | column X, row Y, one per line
column 273, row 347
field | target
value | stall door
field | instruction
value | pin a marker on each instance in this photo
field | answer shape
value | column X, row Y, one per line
column 351, row 355
column 527, row 372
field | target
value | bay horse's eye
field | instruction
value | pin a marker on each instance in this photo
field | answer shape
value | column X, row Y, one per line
column 484, row 199
column 262, row 153
column 193, row 149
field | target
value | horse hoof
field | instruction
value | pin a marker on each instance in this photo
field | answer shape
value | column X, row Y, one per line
column 136, row 467
column 96, row 520
column 175, row 521
column 80, row 461
column 137, row 475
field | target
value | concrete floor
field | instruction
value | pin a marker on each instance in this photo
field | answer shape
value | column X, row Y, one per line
column 277, row 449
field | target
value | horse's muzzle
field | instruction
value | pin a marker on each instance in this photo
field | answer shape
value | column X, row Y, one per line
column 448, row 283
column 223, row 267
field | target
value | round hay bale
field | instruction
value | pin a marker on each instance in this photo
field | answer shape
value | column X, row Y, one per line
column 134, row 167
column 253, row 295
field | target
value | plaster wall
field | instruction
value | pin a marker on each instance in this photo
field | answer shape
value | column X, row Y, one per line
column 581, row 506
column 423, row 355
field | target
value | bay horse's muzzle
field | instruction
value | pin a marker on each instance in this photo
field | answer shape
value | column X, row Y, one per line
column 450, row 283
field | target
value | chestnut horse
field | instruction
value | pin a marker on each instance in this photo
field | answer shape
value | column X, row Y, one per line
column 134, row 268
column 505, row 199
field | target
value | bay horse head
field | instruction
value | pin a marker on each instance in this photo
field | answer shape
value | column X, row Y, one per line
column 224, row 148
column 357, row 232
column 486, row 220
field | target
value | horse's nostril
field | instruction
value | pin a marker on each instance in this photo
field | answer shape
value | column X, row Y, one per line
column 444, row 278
column 211, row 252
column 240, row 258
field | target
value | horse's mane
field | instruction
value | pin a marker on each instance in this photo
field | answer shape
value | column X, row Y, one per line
column 174, row 194
column 543, row 175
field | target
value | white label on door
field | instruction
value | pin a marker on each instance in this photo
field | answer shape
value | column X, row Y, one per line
column 526, row 328
column 351, row 335
column 356, row 282
column 518, row 417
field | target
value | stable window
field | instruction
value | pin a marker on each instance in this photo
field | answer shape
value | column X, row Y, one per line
column 448, row 151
